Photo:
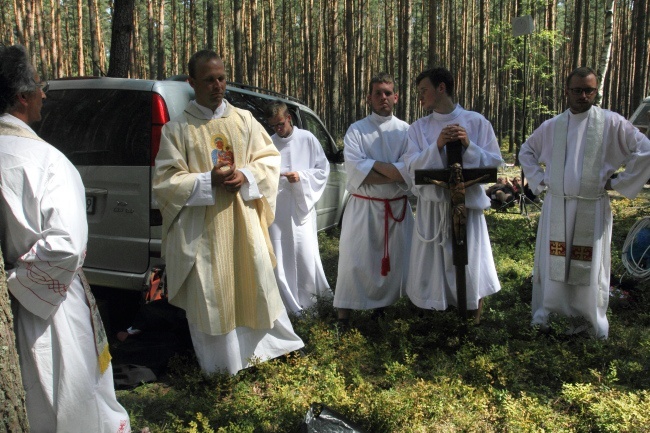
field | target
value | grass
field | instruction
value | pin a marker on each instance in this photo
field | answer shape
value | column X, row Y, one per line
column 418, row 371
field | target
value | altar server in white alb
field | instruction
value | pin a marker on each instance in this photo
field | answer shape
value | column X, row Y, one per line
column 580, row 148
column 432, row 275
column 62, row 345
column 216, row 182
column 377, row 223
column 303, row 176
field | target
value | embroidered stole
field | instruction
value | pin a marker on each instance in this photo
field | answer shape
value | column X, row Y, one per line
column 99, row 333
column 8, row 128
column 578, row 269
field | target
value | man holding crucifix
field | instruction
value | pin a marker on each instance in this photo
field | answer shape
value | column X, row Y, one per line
column 432, row 275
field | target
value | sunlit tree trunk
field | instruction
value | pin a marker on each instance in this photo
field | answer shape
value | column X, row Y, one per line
column 350, row 97
column 360, row 52
column 482, row 74
column 307, row 69
column 160, row 41
column 603, row 62
column 640, row 53
column 81, row 65
column 332, row 64
column 577, row 33
column 151, row 40
column 94, row 37
column 55, row 38
column 237, row 40
column 405, row 54
column 44, row 59
column 253, row 72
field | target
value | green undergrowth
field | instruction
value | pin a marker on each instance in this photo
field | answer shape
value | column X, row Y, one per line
column 424, row 371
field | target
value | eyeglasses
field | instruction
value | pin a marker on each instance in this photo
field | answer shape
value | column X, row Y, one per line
column 44, row 86
column 276, row 125
column 588, row 91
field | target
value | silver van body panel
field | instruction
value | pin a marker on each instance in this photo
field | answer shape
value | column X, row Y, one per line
column 124, row 236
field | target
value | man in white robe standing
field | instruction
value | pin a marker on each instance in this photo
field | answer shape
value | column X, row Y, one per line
column 216, row 181
column 62, row 345
column 378, row 220
column 581, row 149
column 303, row 176
column 432, row 275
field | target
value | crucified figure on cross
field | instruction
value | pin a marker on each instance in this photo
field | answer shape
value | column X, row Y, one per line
column 456, row 186
column 457, row 179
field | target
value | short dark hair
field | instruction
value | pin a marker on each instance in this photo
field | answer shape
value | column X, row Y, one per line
column 582, row 72
column 382, row 77
column 200, row 56
column 437, row 76
column 275, row 108
column 16, row 75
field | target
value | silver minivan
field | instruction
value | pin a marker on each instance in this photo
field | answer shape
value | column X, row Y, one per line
column 641, row 116
column 110, row 130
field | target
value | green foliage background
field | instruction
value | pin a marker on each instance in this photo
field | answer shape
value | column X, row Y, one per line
column 417, row 371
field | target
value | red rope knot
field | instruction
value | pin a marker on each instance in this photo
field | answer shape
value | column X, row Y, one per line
column 388, row 212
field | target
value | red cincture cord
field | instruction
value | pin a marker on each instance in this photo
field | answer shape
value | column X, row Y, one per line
column 388, row 211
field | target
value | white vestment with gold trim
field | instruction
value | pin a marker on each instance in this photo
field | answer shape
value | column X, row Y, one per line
column 43, row 234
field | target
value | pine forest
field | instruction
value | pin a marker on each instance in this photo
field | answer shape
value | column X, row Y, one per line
column 325, row 51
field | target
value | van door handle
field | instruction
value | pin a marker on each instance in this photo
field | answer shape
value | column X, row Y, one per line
column 96, row 191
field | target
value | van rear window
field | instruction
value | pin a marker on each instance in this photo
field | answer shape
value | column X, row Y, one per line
column 98, row 126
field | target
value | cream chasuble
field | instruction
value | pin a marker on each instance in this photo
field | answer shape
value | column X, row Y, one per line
column 219, row 258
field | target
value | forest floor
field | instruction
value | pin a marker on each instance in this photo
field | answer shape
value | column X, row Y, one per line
column 424, row 371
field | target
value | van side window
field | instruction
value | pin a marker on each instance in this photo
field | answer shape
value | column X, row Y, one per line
column 99, row 127
column 316, row 128
column 255, row 105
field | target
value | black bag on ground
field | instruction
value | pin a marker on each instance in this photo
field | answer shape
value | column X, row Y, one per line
column 322, row 419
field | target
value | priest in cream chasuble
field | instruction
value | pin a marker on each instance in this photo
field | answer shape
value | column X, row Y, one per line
column 215, row 240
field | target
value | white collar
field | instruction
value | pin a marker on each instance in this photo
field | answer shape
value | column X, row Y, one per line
column 208, row 113
column 379, row 118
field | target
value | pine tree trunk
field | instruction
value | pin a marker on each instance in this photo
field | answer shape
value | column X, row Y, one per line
column 81, row 67
column 350, row 98
column 151, row 40
column 640, row 51
column 577, row 33
column 606, row 50
column 121, row 38
column 160, row 42
column 44, row 60
column 12, row 394
column 94, row 36
column 237, row 40
column 253, row 67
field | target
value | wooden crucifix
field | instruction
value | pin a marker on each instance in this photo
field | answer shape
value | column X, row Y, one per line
column 456, row 178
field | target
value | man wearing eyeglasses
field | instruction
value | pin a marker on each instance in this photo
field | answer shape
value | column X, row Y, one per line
column 64, row 358
column 580, row 150
column 303, row 176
